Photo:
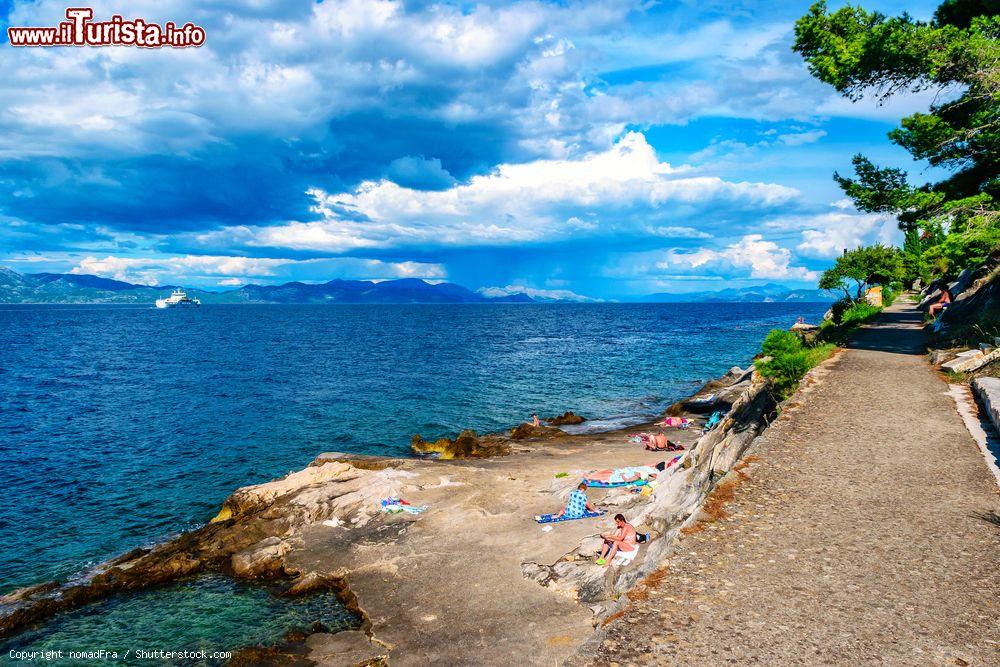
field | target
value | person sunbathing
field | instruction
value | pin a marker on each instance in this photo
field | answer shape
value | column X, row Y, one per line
column 625, row 475
column 623, row 539
column 941, row 304
column 660, row 443
column 577, row 505
column 535, row 421
column 670, row 422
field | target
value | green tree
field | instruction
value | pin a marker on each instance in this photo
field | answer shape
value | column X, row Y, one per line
column 857, row 270
column 957, row 53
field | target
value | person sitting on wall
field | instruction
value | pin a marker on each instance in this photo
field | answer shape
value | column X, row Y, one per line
column 941, row 304
column 622, row 540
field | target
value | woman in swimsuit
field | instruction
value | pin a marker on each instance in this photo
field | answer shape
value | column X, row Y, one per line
column 623, row 539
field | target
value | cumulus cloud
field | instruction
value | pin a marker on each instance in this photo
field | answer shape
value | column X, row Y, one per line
column 320, row 128
column 751, row 257
column 826, row 235
column 762, row 258
column 419, row 173
column 240, row 270
column 328, row 94
column 540, row 294
column 800, row 138
column 625, row 189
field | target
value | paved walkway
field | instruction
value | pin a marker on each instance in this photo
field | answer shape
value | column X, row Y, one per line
column 866, row 533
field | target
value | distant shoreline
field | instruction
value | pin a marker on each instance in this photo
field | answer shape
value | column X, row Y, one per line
column 426, row 303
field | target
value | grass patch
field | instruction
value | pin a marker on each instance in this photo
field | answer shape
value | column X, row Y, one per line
column 953, row 377
column 790, row 355
column 847, row 318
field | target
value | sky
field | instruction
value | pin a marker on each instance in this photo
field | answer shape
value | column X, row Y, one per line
column 608, row 149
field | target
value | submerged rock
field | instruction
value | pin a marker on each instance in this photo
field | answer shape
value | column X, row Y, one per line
column 566, row 418
column 467, row 445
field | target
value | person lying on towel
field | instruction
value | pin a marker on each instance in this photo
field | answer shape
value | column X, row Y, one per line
column 625, row 475
column 577, row 505
column 622, row 540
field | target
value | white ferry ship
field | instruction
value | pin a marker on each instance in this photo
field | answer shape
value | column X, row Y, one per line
column 178, row 299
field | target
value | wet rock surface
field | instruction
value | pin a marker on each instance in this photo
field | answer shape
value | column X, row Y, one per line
column 567, row 418
column 467, row 445
column 532, row 432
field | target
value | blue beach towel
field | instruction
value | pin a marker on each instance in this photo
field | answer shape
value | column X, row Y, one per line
column 548, row 518
column 713, row 421
column 597, row 484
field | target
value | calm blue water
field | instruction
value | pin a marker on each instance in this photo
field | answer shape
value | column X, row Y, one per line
column 120, row 426
column 186, row 615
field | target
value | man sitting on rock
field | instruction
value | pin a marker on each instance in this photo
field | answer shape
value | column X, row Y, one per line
column 622, row 541
column 577, row 505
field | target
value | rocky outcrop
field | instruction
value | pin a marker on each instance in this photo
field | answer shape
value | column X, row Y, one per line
column 466, row 446
column 251, row 537
column 361, row 461
column 251, row 499
column 567, row 418
column 264, row 560
column 532, row 432
column 975, row 302
column 718, row 394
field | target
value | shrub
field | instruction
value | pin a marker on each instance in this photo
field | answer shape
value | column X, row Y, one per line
column 838, row 308
column 780, row 342
column 790, row 360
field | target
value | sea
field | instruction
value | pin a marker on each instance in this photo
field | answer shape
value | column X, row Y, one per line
column 122, row 426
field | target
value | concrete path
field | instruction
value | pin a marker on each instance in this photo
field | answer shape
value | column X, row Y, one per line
column 865, row 533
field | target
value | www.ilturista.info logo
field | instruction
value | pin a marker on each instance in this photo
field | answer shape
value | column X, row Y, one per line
column 79, row 30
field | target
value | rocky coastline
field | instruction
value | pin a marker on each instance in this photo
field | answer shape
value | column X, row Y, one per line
column 322, row 528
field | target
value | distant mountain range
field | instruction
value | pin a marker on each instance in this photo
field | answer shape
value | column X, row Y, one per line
column 771, row 292
column 72, row 288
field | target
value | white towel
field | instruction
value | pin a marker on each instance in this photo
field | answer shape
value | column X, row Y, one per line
column 625, row 557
